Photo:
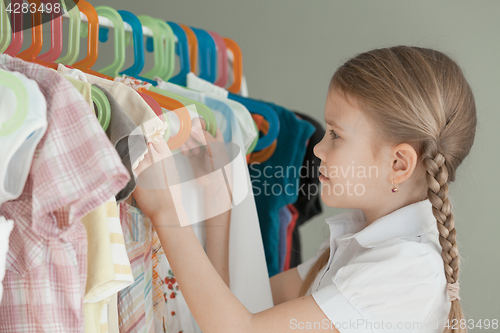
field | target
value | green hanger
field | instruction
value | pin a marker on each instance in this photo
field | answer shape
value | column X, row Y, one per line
column 13, row 82
column 159, row 69
column 103, row 107
column 113, row 69
column 254, row 143
column 169, row 48
column 6, row 32
column 202, row 109
column 73, row 36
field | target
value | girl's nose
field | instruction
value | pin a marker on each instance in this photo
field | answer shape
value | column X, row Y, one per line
column 318, row 150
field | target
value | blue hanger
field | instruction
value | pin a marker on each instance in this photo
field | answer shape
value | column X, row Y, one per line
column 182, row 50
column 267, row 112
column 138, row 41
column 207, row 55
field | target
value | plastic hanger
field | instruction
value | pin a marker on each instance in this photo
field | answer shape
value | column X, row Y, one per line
column 153, row 104
column 169, row 48
column 92, row 33
column 56, row 37
column 103, row 107
column 235, row 87
column 6, row 31
column 160, row 68
column 267, row 112
column 223, row 74
column 182, row 113
column 201, row 108
column 73, row 35
column 254, row 142
column 17, row 34
column 182, row 50
column 159, row 112
column 10, row 80
column 207, row 55
column 193, row 46
column 119, row 39
column 264, row 154
column 138, row 43
column 30, row 54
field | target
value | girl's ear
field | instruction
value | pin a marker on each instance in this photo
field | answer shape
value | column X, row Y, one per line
column 403, row 162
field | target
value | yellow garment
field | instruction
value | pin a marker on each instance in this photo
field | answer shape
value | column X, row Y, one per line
column 83, row 87
column 108, row 267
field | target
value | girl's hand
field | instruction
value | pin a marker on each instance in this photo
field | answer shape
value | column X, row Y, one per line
column 206, row 155
column 153, row 194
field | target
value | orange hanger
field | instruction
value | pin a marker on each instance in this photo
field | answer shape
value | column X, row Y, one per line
column 193, row 46
column 86, row 64
column 237, row 65
column 264, row 154
column 36, row 39
column 182, row 113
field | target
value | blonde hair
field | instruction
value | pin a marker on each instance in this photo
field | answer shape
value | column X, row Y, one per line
column 416, row 95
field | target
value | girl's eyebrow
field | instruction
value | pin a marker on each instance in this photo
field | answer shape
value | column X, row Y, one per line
column 332, row 123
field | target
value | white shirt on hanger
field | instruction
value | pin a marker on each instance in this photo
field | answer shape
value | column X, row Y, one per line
column 386, row 277
column 17, row 148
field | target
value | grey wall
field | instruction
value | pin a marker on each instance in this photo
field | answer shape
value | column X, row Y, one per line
column 291, row 48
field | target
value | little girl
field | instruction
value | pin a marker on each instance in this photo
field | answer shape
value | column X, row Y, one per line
column 404, row 119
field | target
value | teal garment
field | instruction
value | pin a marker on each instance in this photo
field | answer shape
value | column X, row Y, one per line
column 276, row 181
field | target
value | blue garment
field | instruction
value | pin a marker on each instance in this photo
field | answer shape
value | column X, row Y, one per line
column 276, row 181
column 285, row 219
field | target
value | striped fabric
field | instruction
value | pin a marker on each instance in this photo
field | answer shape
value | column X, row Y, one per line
column 75, row 169
column 135, row 303
column 108, row 268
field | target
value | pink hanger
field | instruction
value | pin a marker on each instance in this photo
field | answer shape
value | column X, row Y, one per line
column 221, row 59
column 56, row 37
column 17, row 32
column 153, row 104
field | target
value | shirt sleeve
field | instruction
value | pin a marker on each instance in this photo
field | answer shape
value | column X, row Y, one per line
column 382, row 288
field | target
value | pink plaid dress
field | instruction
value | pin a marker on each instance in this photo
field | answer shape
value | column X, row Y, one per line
column 75, row 169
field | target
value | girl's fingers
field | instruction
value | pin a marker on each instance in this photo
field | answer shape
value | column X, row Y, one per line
column 192, row 145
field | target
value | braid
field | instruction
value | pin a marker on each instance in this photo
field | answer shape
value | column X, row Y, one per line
column 437, row 180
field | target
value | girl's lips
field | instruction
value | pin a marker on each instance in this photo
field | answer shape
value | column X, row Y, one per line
column 323, row 178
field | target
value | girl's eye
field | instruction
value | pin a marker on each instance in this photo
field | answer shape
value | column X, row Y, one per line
column 334, row 135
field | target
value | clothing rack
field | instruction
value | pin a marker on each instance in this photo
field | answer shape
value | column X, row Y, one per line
column 106, row 22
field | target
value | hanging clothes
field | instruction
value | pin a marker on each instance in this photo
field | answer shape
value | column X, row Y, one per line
column 309, row 203
column 135, row 303
column 75, row 169
column 285, row 217
column 246, row 253
column 6, row 227
column 289, row 235
column 17, row 148
column 131, row 145
column 276, row 181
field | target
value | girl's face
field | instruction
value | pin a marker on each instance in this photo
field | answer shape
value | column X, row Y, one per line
column 351, row 176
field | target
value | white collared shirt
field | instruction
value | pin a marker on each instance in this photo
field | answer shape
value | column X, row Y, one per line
column 387, row 277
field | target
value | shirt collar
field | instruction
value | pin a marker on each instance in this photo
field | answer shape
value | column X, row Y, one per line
column 411, row 220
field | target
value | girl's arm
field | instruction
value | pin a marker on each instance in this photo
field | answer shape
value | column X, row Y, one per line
column 211, row 302
column 217, row 240
column 285, row 286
